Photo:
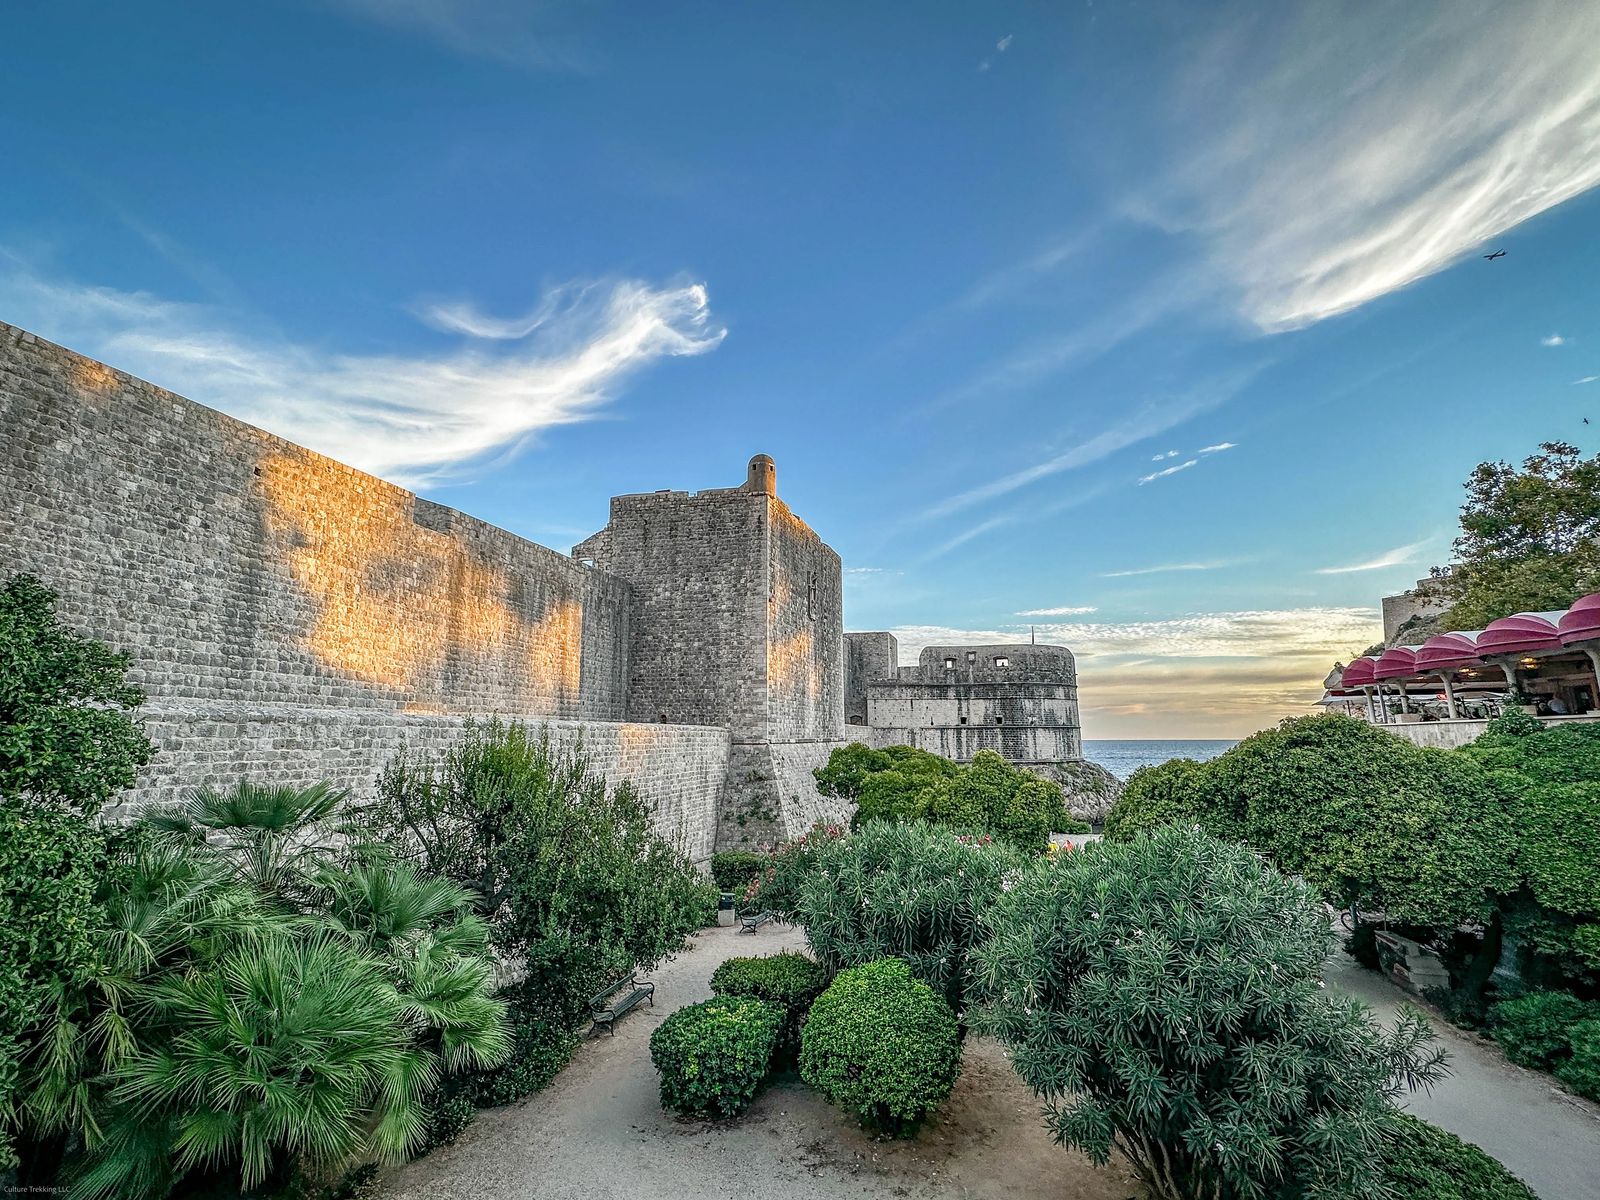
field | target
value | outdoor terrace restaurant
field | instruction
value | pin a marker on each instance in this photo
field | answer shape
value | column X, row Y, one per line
column 1443, row 692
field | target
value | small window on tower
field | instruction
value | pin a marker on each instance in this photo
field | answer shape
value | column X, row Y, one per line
column 999, row 720
column 1002, row 661
column 949, row 664
column 963, row 720
column 972, row 656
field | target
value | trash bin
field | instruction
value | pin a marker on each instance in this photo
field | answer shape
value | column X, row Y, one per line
column 725, row 909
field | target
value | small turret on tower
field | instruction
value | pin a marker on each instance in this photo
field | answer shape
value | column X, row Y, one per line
column 762, row 476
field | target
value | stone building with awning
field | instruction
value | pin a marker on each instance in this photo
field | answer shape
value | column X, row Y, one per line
column 1444, row 691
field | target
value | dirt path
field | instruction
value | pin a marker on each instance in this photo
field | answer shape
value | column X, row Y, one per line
column 599, row 1130
column 1544, row 1134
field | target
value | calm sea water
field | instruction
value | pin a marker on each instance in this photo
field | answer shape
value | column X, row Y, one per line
column 1123, row 756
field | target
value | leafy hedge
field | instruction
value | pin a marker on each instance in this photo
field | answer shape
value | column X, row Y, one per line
column 986, row 796
column 734, row 869
column 1367, row 817
column 790, row 980
column 1581, row 1071
column 1536, row 1030
column 1423, row 1162
column 882, row 1045
column 713, row 1056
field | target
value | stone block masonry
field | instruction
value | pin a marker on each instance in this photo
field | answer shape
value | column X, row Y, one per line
column 294, row 619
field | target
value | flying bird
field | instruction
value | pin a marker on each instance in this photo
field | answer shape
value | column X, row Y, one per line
column 1495, row 255
column 1586, row 420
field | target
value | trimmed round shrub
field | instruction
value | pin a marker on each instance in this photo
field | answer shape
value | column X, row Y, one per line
column 1581, row 1072
column 1535, row 1030
column 1423, row 1162
column 882, row 1045
column 790, row 980
column 713, row 1056
column 734, row 869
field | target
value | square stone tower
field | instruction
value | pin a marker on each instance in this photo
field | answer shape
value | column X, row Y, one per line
column 737, row 621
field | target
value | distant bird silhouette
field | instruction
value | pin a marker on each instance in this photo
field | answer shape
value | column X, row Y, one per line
column 1495, row 255
column 1586, row 420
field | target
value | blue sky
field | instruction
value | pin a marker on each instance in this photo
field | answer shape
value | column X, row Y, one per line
column 1160, row 326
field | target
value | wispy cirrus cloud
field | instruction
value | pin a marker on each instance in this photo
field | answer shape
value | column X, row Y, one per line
column 1214, row 564
column 1219, row 674
column 1218, row 448
column 1399, row 556
column 517, row 34
column 1066, row 610
column 1000, row 48
column 1155, row 475
column 411, row 417
column 1343, row 153
column 1552, row 340
column 1586, row 379
column 1165, row 454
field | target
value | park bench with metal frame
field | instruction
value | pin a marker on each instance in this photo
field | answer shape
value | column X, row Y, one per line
column 624, row 994
column 754, row 921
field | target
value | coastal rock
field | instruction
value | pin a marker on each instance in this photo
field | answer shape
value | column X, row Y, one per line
column 1090, row 789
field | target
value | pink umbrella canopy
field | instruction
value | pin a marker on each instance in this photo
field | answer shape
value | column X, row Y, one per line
column 1520, row 634
column 1360, row 673
column 1449, row 651
column 1397, row 662
column 1581, row 622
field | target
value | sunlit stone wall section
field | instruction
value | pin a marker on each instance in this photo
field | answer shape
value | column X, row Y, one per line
column 805, row 633
column 236, row 566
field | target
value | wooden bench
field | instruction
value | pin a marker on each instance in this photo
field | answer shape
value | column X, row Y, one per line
column 617, row 999
column 754, row 921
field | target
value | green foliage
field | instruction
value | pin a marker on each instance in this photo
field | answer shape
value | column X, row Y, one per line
column 988, row 795
column 1154, row 796
column 790, row 864
column 1164, row 997
column 1551, row 781
column 52, row 926
column 734, row 869
column 65, row 733
column 1581, row 1070
column 790, row 980
column 241, row 1026
column 571, row 877
column 1535, row 1030
column 1530, row 538
column 713, row 1056
column 1368, row 818
column 881, row 1045
column 911, row 891
column 1423, row 1162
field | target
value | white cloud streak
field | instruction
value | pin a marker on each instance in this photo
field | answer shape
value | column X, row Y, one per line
column 1166, row 455
column 1066, row 610
column 1155, row 475
column 1554, row 339
column 1399, row 556
column 508, row 33
column 1213, row 565
column 1218, row 448
column 1586, row 379
column 413, row 418
column 1347, row 151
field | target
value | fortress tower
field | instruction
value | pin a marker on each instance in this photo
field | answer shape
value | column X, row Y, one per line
column 736, row 621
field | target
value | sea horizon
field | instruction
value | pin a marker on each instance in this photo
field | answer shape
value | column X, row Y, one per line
column 1123, row 756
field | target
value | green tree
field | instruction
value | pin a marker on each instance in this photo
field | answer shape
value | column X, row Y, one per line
column 1164, row 998
column 1154, row 796
column 1530, row 538
column 66, row 735
column 1550, row 779
column 68, row 744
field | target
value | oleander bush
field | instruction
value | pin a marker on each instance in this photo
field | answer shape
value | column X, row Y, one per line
column 907, row 890
column 1535, row 1030
column 1423, row 1162
column 789, row 865
column 712, row 1057
column 734, row 869
column 882, row 1045
column 1163, row 998
column 790, row 980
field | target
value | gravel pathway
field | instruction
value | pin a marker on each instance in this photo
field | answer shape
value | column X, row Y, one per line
column 599, row 1130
